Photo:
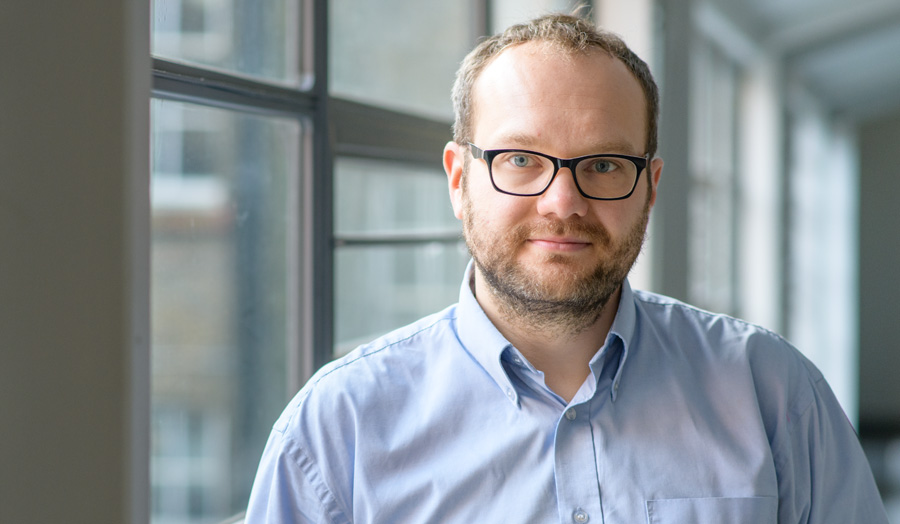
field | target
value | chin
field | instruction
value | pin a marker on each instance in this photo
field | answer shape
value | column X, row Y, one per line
column 559, row 278
column 555, row 265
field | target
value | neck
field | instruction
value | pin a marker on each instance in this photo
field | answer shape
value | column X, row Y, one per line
column 561, row 346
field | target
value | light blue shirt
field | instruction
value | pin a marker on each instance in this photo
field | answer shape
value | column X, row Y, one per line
column 687, row 417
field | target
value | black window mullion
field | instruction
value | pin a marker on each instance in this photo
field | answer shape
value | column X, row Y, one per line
column 368, row 131
column 187, row 83
column 318, row 301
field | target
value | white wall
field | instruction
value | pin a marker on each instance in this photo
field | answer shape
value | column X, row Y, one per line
column 823, row 252
column 760, row 174
column 73, row 291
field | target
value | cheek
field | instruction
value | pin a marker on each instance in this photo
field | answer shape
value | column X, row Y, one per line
column 491, row 209
column 619, row 216
column 505, row 213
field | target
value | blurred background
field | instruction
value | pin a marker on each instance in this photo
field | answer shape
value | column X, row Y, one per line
column 295, row 206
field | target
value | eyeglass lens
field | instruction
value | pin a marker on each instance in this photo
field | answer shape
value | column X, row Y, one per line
column 525, row 173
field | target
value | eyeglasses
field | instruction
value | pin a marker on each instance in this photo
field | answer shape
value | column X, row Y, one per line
column 528, row 173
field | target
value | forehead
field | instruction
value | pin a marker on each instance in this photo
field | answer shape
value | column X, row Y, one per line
column 541, row 93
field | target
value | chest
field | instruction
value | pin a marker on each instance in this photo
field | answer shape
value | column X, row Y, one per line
column 651, row 458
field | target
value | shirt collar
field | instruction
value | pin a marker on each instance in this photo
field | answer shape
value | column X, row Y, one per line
column 487, row 345
column 479, row 336
column 623, row 328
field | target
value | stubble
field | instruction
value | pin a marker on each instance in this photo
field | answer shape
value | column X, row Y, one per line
column 559, row 297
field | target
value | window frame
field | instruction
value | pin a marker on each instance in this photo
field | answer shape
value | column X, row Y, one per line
column 340, row 127
column 334, row 127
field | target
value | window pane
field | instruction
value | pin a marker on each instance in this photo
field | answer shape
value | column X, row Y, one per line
column 505, row 13
column 259, row 38
column 373, row 196
column 384, row 287
column 712, row 198
column 224, row 292
column 397, row 53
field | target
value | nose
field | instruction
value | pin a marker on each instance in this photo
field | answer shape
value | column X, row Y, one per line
column 562, row 198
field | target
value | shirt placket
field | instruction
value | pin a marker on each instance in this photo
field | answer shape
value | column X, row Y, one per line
column 577, row 485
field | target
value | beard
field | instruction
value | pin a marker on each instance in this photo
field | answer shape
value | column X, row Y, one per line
column 564, row 296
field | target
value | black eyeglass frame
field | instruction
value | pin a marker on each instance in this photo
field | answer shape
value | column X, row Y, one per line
column 488, row 155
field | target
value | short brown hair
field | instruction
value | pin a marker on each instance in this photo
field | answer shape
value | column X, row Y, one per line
column 568, row 33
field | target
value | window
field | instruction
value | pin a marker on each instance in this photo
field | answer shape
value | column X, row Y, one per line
column 399, row 54
column 713, row 190
column 232, row 126
column 260, row 39
column 393, row 221
column 504, row 13
column 224, row 191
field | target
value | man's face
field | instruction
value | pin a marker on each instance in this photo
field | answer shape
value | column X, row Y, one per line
column 558, row 250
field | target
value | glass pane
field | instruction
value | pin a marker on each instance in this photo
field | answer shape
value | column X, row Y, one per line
column 373, row 196
column 258, row 38
column 398, row 53
column 384, row 287
column 505, row 13
column 712, row 197
column 224, row 292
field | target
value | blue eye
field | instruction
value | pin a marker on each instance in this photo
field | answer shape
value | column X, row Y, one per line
column 603, row 166
column 520, row 161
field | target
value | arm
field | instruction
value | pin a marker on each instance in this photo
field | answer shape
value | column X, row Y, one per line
column 283, row 492
column 825, row 477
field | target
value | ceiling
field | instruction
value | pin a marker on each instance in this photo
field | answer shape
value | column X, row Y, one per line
column 847, row 53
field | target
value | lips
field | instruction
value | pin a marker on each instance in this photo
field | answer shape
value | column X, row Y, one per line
column 560, row 244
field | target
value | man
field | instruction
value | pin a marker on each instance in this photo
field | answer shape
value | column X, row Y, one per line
column 553, row 392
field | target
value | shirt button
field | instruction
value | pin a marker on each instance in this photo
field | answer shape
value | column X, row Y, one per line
column 510, row 393
column 570, row 414
column 580, row 516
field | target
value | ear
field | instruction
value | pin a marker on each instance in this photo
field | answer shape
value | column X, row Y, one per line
column 655, row 170
column 453, row 166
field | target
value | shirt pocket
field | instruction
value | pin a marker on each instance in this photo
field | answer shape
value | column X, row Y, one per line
column 713, row 510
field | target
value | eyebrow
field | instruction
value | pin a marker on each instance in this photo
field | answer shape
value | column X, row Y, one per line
column 526, row 141
column 518, row 140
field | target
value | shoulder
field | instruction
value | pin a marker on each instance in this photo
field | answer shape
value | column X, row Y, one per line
column 377, row 372
column 408, row 346
column 313, row 445
column 674, row 320
column 780, row 373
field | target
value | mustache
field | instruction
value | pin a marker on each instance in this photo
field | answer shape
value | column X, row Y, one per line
column 575, row 228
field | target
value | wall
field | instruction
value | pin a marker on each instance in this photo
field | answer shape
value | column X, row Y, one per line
column 879, row 284
column 73, row 194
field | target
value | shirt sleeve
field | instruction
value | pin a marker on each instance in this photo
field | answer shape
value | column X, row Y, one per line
column 282, row 491
column 825, row 477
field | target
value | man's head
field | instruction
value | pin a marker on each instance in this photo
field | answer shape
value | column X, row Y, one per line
column 556, row 258
column 568, row 34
